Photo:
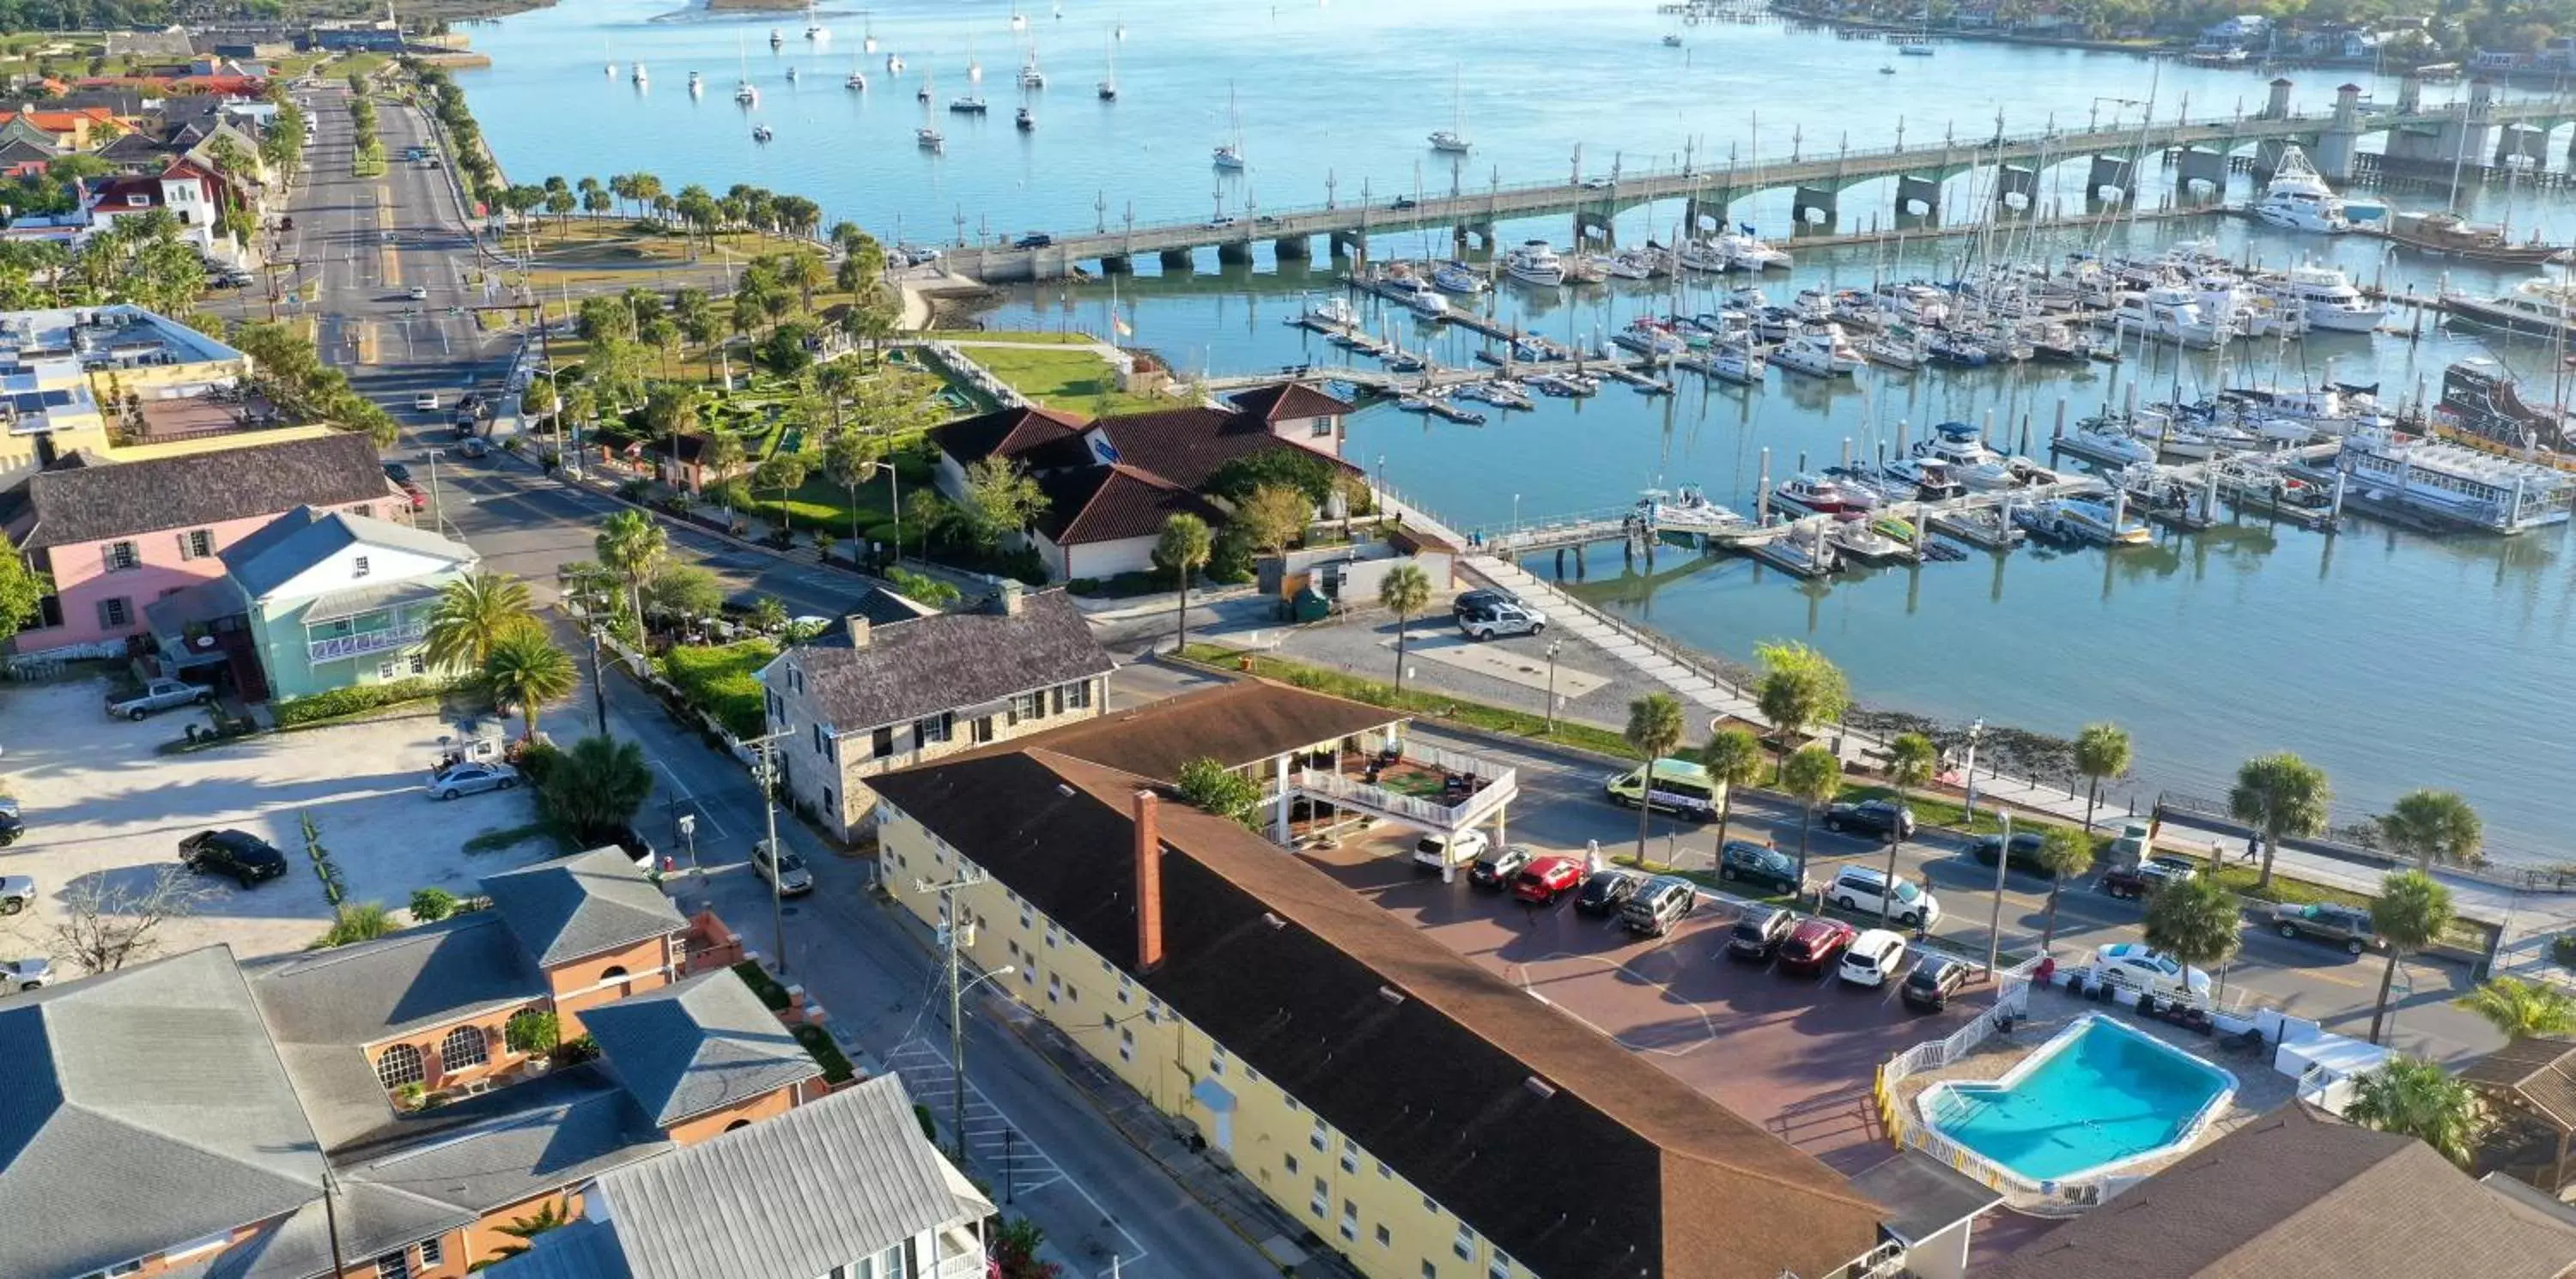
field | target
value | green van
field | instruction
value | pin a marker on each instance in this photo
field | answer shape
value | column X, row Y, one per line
column 1680, row 787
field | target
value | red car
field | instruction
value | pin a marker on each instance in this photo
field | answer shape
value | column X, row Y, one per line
column 1815, row 944
column 1548, row 878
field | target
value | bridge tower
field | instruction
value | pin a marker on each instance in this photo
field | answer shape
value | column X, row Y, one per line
column 2341, row 139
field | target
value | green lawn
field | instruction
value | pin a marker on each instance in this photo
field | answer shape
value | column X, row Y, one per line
column 1074, row 381
column 724, row 680
column 1009, row 335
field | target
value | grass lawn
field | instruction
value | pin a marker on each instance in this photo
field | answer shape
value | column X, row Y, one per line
column 1075, row 381
column 969, row 337
column 724, row 680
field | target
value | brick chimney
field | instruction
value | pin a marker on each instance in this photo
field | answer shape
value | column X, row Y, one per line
column 858, row 627
column 1007, row 598
column 1149, row 884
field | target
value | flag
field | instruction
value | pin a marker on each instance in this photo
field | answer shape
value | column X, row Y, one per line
column 1746, row 226
column 1119, row 323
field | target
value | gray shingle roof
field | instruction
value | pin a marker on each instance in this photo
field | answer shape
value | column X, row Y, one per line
column 143, row 1107
column 698, row 1044
column 301, row 538
column 941, row 663
column 581, row 905
column 87, row 503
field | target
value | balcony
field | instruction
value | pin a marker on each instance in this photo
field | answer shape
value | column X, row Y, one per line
column 1413, row 783
column 386, row 639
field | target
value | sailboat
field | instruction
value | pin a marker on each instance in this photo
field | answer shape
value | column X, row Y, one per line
column 1229, row 153
column 894, row 64
column 868, row 35
column 858, row 79
column 775, row 39
column 1109, row 86
column 1030, row 76
column 813, row 27
column 930, row 138
column 922, row 94
column 696, row 85
column 612, row 61
column 641, row 79
column 1452, row 139
column 1019, row 20
column 742, row 90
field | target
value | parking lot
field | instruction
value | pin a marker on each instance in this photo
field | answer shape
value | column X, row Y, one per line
column 1795, row 1053
column 100, row 803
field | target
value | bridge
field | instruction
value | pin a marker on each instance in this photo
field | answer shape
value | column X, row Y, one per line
column 2479, row 129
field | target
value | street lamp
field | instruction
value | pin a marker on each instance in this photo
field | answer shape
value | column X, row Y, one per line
column 1553, row 647
column 766, row 773
column 1995, row 916
column 1976, row 734
column 688, row 826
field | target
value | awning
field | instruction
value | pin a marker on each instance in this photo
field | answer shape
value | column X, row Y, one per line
column 364, row 599
column 172, row 614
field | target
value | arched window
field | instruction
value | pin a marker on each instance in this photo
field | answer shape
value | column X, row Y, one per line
column 614, row 972
column 400, row 1065
column 739, row 1123
column 463, row 1047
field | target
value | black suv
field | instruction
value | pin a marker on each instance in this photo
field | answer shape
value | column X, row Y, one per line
column 1759, row 865
column 1760, row 932
column 2024, row 854
column 1886, row 819
column 1935, row 978
column 1605, row 891
column 245, row 858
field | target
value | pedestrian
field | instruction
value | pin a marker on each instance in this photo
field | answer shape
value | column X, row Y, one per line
column 2253, row 848
column 1592, row 857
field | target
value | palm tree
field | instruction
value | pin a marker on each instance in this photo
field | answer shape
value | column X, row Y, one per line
column 2412, row 910
column 549, row 1217
column 851, row 460
column 2196, row 920
column 525, row 668
column 1800, row 689
column 2521, row 1009
column 2433, row 826
column 1733, row 758
column 2415, row 1097
column 2279, row 795
column 472, row 613
column 2101, row 751
column 632, row 545
column 723, row 456
column 1403, row 591
column 1912, row 759
column 2062, row 853
column 1654, row 728
column 1814, row 775
column 1183, row 547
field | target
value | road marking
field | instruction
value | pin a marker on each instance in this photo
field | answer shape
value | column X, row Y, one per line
column 388, row 250
column 692, row 800
column 1707, row 1024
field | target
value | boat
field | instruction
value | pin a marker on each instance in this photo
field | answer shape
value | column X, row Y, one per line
column 2297, row 416
column 742, row 90
column 1819, row 351
column 857, row 80
column 2084, row 519
column 929, row 139
column 1428, row 304
column 641, row 77
column 1025, row 122
column 1108, row 86
column 1030, row 76
column 1586, row 268
column 1737, row 361
column 1823, row 495
column 1802, row 550
column 1896, row 347
column 1963, row 455
column 1686, row 510
column 2168, row 313
column 775, row 39
column 2455, row 485
column 1858, row 540
column 761, row 133
column 967, row 104
column 1745, row 251
column 2110, row 440
column 1912, row 46
column 2540, row 308
column 894, row 64
column 1697, row 254
column 1992, row 528
column 791, row 75
column 2481, row 400
column 1928, row 479
column 1457, row 277
column 2450, row 235
column 1452, row 140
column 1887, row 68
column 2325, row 296
column 1229, row 153
column 1672, row 42
column 1334, row 311
column 2298, row 199
column 1635, row 264
column 696, row 85
column 1534, row 262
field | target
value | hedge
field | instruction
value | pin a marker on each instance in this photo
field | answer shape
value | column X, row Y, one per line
column 724, row 681
column 350, row 701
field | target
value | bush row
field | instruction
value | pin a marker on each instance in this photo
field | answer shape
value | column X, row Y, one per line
column 349, row 701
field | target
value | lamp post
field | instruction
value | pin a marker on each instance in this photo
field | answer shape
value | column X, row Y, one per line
column 1995, row 916
column 688, row 825
column 1976, row 734
column 1553, row 647
column 766, row 773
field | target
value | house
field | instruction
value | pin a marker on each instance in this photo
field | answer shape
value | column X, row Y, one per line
column 1414, row 1111
column 869, row 1196
column 1111, row 484
column 867, row 698
column 2241, row 31
column 115, row 537
column 311, row 602
column 68, row 128
column 188, row 192
column 73, row 377
column 2529, row 1086
column 681, row 462
column 2279, row 1194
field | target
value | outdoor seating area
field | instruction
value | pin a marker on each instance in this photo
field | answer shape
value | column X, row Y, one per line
column 1385, row 775
column 1388, row 769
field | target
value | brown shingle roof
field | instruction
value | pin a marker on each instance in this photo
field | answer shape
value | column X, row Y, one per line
column 2295, row 1193
column 1108, row 503
column 2542, row 1071
column 1573, row 1155
column 1287, row 401
column 944, row 662
column 1236, row 723
column 87, row 503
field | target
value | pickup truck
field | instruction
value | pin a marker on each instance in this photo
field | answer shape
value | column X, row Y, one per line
column 159, row 695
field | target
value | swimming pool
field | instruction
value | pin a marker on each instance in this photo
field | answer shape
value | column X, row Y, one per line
column 2097, row 1096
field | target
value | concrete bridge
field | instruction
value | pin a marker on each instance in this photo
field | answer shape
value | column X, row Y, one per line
column 2472, row 133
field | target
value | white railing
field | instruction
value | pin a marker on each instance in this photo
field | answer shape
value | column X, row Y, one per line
column 365, row 642
column 2012, row 998
column 1496, row 786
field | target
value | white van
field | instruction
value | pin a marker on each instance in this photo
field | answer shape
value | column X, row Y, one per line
column 1680, row 787
column 1858, row 889
column 1873, row 957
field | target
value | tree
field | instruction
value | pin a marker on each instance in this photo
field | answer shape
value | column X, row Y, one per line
column 2101, row 752
column 472, row 612
column 2415, row 1097
column 2411, row 911
column 851, row 459
column 767, row 614
column 430, row 905
column 525, row 669
column 1181, row 549
column 805, row 273
column 594, row 788
column 1015, row 1251
column 105, row 922
column 782, row 472
column 22, row 589
column 1800, row 689
column 1733, row 758
column 551, row 1216
column 2433, row 826
column 532, row 1030
column 2279, row 795
column 353, row 922
column 632, row 545
column 685, row 591
column 1655, row 728
column 2521, row 1009
column 721, row 458
column 2062, row 854
column 2196, row 920
column 1273, row 516
column 1000, row 499
column 1912, row 759
column 1814, row 775
column 1404, row 591
column 1206, row 785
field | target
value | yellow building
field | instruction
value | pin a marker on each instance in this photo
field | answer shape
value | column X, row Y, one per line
column 67, row 375
column 1423, row 1117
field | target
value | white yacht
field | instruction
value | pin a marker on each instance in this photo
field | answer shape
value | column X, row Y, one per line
column 1687, row 510
column 2298, row 416
column 2167, row 313
column 1962, row 452
column 2110, row 439
column 1457, row 277
column 1746, row 252
column 2087, row 519
column 2541, row 308
column 1534, row 262
column 929, row 139
column 1428, row 304
column 2299, row 199
column 1737, row 361
column 1896, row 347
column 1336, row 311
column 1030, row 76
column 1930, row 479
column 2328, row 297
column 2456, row 484
column 1634, row 264
column 1820, row 351
column 1696, row 254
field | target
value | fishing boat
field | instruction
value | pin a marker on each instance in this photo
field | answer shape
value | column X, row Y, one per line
column 1229, row 153
column 1534, row 262
column 2298, row 199
column 2450, row 235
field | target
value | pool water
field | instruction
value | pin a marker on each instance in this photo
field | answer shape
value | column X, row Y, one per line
column 2096, row 1096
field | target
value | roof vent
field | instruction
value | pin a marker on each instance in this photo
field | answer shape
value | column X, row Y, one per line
column 1390, row 994
column 1064, row 789
column 1540, row 1086
column 1273, row 920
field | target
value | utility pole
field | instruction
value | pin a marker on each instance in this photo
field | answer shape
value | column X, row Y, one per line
column 1995, row 916
column 954, row 938
column 766, row 772
column 598, row 686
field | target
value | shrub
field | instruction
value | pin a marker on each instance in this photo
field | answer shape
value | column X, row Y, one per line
column 350, row 701
column 724, row 681
column 921, row 586
column 361, row 921
column 762, row 984
column 2562, row 948
column 532, row 1031
column 836, row 1064
column 573, row 1052
column 430, row 905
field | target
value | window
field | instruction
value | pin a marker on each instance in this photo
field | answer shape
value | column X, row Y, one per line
column 400, row 1065
column 614, row 972
column 117, row 612
column 1077, row 695
column 1317, row 1138
column 417, row 663
column 1383, row 1171
column 388, row 670
column 1500, row 1267
column 1431, row 1205
column 983, row 729
column 1323, row 1197
column 358, row 566
column 935, row 729
column 1216, row 1060
column 822, row 744
column 1059, row 699
column 1126, row 1044
column 393, row 1265
column 1322, row 427
column 1029, row 975
column 795, row 680
column 1126, row 987
column 1350, row 1221
column 463, row 1047
column 1290, row 1159
column 881, row 743
column 1350, row 1155
column 1072, row 994
column 1385, row 1237
column 121, row 556
column 1465, row 1244
column 432, row 1254
column 1028, row 706
column 197, row 544
column 1024, row 914
column 1050, row 936
column 1055, row 988
column 1430, row 1271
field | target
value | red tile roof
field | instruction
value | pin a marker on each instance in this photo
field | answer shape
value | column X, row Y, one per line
column 1112, row 503
column 1007, row 433
column 1287, row 401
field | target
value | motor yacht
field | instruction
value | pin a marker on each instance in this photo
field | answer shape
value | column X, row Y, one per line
column 2087, row 520
column 967, row 105
column 929, row 139
column 1534, row 262
column 1026, row 121
column 2110, row 438
column 1820, row 350
column 1824, row 495
column 2298, row 199
column 1855, row 538
column 1897, row 347
column 1457, row 277
column 2540, row 308
column 1746, row 252
column 1687, row 509
column 1961, row 451
column 2168, row 313
column 1030, row 76
column 761, row 133
column 1929, row 478
column 1738, row 361
column 1696, row 254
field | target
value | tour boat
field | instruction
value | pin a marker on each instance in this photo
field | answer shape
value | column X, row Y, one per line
column 1534, row 262
column 2298, row 199
column 2457, row 485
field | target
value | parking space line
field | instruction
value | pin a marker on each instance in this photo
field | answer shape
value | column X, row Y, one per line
column 691, row 800
column 990, row 1135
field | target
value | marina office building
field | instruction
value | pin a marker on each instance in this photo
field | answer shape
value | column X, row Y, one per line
column 1417, row 1113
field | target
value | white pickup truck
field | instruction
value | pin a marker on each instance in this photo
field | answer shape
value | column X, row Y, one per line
column 158, row 695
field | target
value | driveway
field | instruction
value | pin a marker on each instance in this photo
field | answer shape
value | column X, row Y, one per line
column 101, row 803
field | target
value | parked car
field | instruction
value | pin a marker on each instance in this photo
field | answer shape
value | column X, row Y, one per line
column 1815, row 942
column 2345, row 926
column 1935, row 978
column 1884, row 818
column 1872, row 958
column 12, row 826
column 24, row 974
column 1495, row 867
column 1605, row 891
column 1440, row 852
column 1759, row 865
column 787, row 872
column 418, row 496
column 1502, row 619
column 1860, row 889
column 1481, row 598
column 398, row 473
column 2024, row 854
column 1759, row 932
column 244, row 857
column 1660, row 903
column 1546, row 879
column 426, row 401
column 1680, row 786
column 2136, row 966
column 2147, row 876
column 158, row 695
column 471, row 777
column 16, row 893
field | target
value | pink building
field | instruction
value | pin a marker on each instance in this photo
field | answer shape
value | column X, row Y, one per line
column 115, row 537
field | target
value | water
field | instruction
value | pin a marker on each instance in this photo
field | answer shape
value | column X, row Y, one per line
column 2391, row 659
column 2101, row 1094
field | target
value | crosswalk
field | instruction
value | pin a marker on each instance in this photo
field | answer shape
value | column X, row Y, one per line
column 994, row 1146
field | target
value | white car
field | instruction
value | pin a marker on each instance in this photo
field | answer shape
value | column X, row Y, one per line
column 1873, row 957
column 2136, row 966
column 1858, row 889
column 426, row 401
column 419, row 293
column 1494, row 619
column 787, row 874
column 471, row 777
column 17, row 892
column 1439, row 852
column 24, row 974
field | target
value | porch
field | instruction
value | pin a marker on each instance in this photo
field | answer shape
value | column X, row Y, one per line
column 1384, row 775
